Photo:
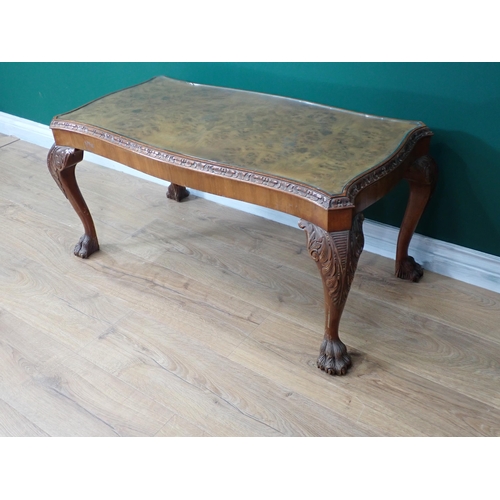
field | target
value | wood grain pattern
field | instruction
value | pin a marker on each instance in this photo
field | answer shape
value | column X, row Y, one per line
column 180, row 427
column 410, row 400
column 7, row 139
column 214, row 332
column 263, row 133
column 319, row 163
column 451, row 302
column 14, row 424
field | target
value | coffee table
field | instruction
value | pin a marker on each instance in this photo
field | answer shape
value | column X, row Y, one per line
column 322, row 164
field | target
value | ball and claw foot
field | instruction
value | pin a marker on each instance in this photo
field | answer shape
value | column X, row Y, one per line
column 410, row 270
column 333, row 357
column 176, row 192
column 86, row 246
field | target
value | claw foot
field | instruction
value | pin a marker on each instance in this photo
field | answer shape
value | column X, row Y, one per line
column 176, row 192
column 86, row 247
column 333, row 357
column 410, row 270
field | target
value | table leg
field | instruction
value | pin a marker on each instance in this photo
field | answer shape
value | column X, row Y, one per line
column 62, row 161
column 336, row 255
column 422, row 177
column 176, row 192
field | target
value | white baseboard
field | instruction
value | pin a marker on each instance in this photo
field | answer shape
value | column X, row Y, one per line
column 460, row 263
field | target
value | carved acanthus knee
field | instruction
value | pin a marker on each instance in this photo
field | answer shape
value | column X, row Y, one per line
column 61, row 158
column 337, row 255
column 423, row 170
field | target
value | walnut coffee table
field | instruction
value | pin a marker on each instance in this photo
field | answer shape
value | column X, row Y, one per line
column 322, row 164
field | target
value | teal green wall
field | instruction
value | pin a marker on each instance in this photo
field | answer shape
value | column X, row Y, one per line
column 459, row 102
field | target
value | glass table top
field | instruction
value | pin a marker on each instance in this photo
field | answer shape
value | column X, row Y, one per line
column 317, row 145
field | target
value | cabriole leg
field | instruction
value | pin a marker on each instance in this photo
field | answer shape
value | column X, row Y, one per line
column 337, row 255
column 422, row 177
column 62, row 161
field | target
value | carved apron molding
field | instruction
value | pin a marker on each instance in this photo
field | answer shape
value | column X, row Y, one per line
column 322, row 198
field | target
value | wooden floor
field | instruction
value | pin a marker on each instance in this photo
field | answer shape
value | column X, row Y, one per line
column 198, row 320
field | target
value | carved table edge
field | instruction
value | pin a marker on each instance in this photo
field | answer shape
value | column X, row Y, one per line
column 382, row 169
column 319, row 197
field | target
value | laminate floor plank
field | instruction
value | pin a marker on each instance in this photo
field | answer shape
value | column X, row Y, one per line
column 7, row 139
column 424, row 341
column 98, row 393
column 13, row 424
column 241, row 231
column 198, row 320
column 180, row 427
column 40, row 296
column 278, row 346
column 161, row 293
column 29, row 389
column 449, row 301
column 32, row 342
column 438, row 352
column 145, row 342
column 249, row 277
column 68, row 386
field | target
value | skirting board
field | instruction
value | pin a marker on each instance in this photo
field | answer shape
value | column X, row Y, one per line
column 460, row 263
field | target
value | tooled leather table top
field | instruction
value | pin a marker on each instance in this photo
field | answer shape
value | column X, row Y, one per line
column 316, row 145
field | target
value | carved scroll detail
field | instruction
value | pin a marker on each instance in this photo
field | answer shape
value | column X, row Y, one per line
column 337, row 256
column 59, row 158
column 423, row 170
